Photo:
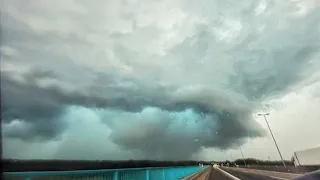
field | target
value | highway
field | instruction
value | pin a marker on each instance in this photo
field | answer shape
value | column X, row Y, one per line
column 224, row 173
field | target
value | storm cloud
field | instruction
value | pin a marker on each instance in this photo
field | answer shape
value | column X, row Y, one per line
column 163, row 78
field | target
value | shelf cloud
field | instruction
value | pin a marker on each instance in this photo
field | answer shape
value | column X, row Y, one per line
column 147, row 80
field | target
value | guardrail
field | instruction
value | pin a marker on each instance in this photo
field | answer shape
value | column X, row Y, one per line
column 161, row 173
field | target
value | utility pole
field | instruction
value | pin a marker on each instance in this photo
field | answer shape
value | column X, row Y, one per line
column 264, row 115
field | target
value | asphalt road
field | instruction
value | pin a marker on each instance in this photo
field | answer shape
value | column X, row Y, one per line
column 243, row 173
column 223, row 173
column 250, row 176
column 215, row 174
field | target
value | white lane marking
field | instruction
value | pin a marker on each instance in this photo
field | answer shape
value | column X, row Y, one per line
column 229, row 175
column 278, row 178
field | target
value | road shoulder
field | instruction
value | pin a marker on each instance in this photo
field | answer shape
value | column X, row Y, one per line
column 196, row 174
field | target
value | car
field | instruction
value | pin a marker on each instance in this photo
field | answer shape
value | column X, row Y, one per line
column 215, row 166
column 315, row 175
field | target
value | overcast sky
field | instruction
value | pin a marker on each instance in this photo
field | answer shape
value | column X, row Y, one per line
column 159, row 79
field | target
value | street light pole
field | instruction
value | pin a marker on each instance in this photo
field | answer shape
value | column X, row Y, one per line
column 264, row 115
column 231, row 157
column 243, row 157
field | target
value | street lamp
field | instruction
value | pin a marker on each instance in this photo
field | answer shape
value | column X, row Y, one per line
column 264, row 115
column 243, row 157
column 231, row 156
column 232, row 160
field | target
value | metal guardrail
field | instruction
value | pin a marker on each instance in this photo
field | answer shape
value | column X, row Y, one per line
column 161, row 173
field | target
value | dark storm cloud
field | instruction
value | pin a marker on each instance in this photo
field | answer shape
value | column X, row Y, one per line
column 163, row 132
column 42, row 107
column 27, row 102
column 166, row 88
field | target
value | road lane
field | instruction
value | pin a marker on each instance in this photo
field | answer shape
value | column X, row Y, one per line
column 261, row 173
column 224, row 173
column 245, row 175
column 215, row 174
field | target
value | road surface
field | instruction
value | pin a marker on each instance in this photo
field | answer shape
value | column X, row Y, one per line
column 218, row 174
column 244, row 173
column 202, row 175
column 240, row 174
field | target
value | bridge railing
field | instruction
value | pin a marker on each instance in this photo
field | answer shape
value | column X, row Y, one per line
column 161, row 173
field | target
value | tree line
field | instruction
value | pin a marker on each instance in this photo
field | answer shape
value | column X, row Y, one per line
column 253, row 161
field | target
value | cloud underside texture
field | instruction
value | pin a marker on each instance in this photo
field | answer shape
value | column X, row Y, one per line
column 158, row 84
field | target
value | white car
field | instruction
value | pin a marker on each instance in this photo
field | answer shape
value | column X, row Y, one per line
column 215, row 166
